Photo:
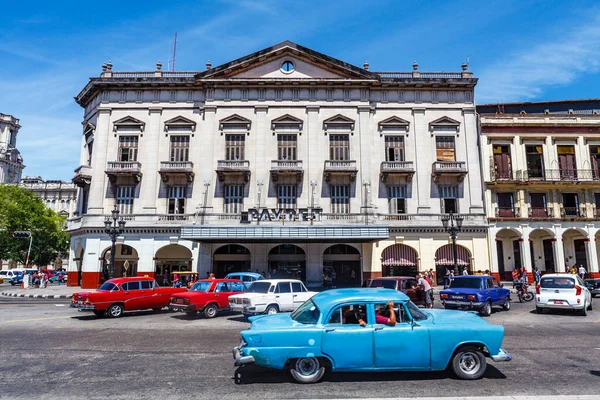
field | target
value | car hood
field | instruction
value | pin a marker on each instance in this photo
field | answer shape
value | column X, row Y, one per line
column 272, row 321
column 460, row 291
column 454, row 317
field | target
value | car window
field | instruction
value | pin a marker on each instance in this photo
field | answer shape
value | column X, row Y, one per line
column 557, row 283
column 222, row 287
column 230, row 276
column 350, row 314
column 410, row 283
column 496, row 283
column 399, row 310
column 109, row 287
column 147, row 284
column 414, row 311
column 283, row 287
column 490, row 283
column 307, row 313
column 237, row 287
column 469, row 283
column 247, row 278
column 298, row 287
column 134, row 285
column 3, row 273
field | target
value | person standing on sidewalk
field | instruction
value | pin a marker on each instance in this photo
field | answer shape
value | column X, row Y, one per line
column 582, row 271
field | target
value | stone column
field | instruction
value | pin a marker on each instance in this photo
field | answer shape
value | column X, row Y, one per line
column 559, row 251
column 313, row 167
column 423, row 163
column 97, row 191
column 526, row 254
column 592, row 250
column 204, row 157
column 473, row 181
column 260, row 169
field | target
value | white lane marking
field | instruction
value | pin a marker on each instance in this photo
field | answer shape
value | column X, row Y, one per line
column 559, row 397
column 60, row 305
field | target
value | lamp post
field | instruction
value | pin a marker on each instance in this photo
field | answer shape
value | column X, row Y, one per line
column 113, row 227
column 452, row 225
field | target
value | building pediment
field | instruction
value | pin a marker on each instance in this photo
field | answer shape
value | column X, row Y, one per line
column 287, row 60
column 444, row 123
column 286, row 120
column 338, row 121
column 129, row 123
column 395, row 123
column 236, row 122
column 180, row 122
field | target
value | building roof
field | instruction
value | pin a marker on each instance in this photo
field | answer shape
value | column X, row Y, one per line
column 576, row 106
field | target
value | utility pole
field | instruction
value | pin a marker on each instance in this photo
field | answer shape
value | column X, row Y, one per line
column 24, row 235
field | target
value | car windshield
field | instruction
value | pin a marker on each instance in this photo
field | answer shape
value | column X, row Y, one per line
column 307, row 313
column 259, row 287
column 384, row 283
column 557, row 283
column 108, row 287
column 201, row 287
column 417, row 314
column 470, row 283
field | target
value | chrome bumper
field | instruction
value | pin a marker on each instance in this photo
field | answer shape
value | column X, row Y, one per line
column 459, row 303
column 240, row 359
column 502, row 356
column 182, row 307
column 82, row 307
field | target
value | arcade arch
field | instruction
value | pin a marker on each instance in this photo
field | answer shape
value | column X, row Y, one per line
column 169, row 259
column 399, row 260
column 287, row 261
column 231, row 258
column 341, row 266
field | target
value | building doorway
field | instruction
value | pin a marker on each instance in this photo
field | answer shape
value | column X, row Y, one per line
column 341, row 266
column 170, row 259
column 287, row 261
column 231, row 258
column 399, row 260
column 126, row 261
column 444, row 259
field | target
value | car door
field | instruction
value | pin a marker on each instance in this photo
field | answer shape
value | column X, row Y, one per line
column 500, row 292
column 349, row 345
column 407, row 288
column 132, row 294
column 404, row 346
column 222, row 293
column 489, row 290
column 284, row 296
column 300, row 294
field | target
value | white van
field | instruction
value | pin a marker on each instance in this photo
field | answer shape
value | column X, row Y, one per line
column 8, row 274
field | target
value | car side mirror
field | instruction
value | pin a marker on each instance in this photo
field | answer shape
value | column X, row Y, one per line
column 413, row 323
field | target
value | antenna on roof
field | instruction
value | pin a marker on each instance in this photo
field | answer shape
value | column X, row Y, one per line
column 468, row 64
column 174, row 52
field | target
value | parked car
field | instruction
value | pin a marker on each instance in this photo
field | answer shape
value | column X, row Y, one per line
column 16, row 278
column 562, row 291
column 475, row 292
column 403, row 284
column 116, row 296
column 321, row 334
column 54, row 277
column 270, row 296
column 593, row 286
column 246, row 277
column 207, row 296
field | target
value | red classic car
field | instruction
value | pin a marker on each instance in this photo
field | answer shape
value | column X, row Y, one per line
column 116, row 296
column 402, row 284
column 208, row 296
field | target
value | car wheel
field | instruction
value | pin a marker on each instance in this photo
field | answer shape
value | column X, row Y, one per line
column 99, row 313
column 272, row 309
column 584, row 311
column 211, row 311
column 486, row 310
column 307, row 370
column 539, row 310
column 590, row 306
column 506, row 305
column 115, row 311
column 469, row 363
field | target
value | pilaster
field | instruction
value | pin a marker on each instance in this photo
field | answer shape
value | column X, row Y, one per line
column 424, row 162
column 150, row 163
column 99, row 158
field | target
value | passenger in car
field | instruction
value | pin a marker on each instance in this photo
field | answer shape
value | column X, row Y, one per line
column 355, row 315
column 381, row 311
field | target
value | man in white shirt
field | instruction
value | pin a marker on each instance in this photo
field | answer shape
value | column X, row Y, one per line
column 465, row 271
column 582, row 271
column 426, row 287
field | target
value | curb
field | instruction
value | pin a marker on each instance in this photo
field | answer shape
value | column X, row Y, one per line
column 37, row 296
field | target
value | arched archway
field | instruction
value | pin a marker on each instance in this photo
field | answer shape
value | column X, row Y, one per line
column 508, row 249
column 169, row 259
column 341, row 266
column 575, row 247
column 399, row 260
column 542, row 243
column 444, row 258
column 231, row 258
column 126, row 260
column 287, row 261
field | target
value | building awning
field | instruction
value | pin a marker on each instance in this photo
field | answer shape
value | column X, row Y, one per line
column 445, row 256
column 309, row 233
column 399, row 255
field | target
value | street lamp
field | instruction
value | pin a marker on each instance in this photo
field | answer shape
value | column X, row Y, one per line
column 453, row 224
column 113, row 229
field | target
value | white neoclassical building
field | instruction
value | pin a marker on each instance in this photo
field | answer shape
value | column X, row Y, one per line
column 542, row 176
column 59, row 196
column 11, row 162
column 285, row 161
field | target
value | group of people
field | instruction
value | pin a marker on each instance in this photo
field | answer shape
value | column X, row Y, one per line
column 449, row 275
column 581, row 271
column 40, row 279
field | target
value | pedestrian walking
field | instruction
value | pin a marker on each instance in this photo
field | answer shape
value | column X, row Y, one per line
column 59, row 278
column 446, row 278
column 536, row 275
column 465, row 271
column 582, row 271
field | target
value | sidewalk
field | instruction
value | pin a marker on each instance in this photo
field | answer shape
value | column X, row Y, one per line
column 53, row 291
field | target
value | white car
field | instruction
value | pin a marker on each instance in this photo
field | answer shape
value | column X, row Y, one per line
column 562, row 291
column 270, row 296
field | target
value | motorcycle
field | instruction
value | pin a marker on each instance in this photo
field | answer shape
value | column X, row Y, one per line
column 521, row 294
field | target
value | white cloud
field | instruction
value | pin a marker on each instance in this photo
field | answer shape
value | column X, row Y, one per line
column 525, row 74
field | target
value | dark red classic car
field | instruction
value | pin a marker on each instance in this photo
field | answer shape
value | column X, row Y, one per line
column 402, row 284
column 116, row 296
column 208, row 296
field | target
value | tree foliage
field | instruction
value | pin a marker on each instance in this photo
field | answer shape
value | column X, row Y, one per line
column 21, row 210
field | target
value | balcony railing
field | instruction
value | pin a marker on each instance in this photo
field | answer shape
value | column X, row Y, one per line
column 540, row 213
column 233, row 165
column 124, row 166
column 397, row 166
column 340, row 166
column 449, row 168
column 571, row 212
column 168, row 166
column 505, row 212
column 286, row 165
column 558, row 175
column 498, row 174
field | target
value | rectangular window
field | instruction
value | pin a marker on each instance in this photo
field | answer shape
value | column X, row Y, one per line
column 397, row 199
column 340, row 199
column 502, row 162
column 535, row 161
column 125, row 199
column 286, row 147
column 597, row 203
column 506, row 206
column 339, row 147
column 566, row 162
column 394, row 148
column 570, row 203
column 538, row 205
column 233, row 199
column 444, row 148
column 128, row 148
column 286, row 196
column 180, row 148
column 449, row 196
column 234, row 147
column 176, row 199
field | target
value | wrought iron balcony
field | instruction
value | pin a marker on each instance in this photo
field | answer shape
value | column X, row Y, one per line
column 540, row 213
column 572, row 212
column 117, row 169
column 83, row 175
column 227, row 168
column 501, row 175
column 396, row 168
column 507, row 212
column 338, row 167
column 559, row 175
column 449, row 168
column 286, row 167
column 174, row 169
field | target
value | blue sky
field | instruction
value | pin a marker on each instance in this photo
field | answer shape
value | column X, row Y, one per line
column 521, row 50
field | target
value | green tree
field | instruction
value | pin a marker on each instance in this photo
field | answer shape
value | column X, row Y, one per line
column 21, row 210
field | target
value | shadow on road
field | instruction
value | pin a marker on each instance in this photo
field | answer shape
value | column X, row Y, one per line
column 595, row 373
column 250, row 374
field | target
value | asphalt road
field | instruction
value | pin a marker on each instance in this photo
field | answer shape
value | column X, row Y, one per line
column 49, row 351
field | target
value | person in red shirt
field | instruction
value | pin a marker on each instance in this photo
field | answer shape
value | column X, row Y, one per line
column 381, row 318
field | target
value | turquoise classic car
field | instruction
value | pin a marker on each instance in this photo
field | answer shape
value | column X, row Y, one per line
column 353, row 330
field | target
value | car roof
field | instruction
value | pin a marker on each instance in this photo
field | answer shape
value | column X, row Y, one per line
column 253, row 274
column 280, row 280
column 329, row 298
column 473, row 276
column 130, row 278
column 563, row 275
column 220, row 280
column 392, row 278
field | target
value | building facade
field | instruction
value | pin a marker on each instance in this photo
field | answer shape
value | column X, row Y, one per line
column 11, row 162
column 542, row 177
column 287, row 162
column 59, row 196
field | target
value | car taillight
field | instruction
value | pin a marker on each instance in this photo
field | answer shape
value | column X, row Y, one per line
column 444, row 296
column 537, row 289
column 472, row 297
column 577, row 290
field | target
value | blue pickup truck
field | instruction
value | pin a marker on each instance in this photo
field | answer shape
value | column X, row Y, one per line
column 475, row 292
